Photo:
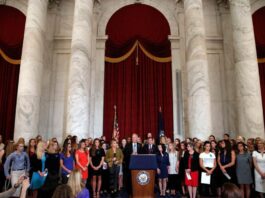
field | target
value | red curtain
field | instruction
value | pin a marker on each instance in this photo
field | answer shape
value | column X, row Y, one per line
column 12, row 23
column 262, row 84
column 259, row 30
column 138, row 90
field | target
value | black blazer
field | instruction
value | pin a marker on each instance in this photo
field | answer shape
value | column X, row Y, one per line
column 145, row 149
column 128, row 150
column 195, row 162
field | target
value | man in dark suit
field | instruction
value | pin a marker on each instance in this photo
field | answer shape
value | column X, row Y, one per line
column 132, row 148
column 149, row 147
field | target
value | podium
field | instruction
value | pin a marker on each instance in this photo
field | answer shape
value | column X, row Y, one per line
column 143, row 168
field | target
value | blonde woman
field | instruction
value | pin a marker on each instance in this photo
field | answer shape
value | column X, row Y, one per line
column 38, row 168
column 76, row 184
column 114, row 158
column 259, row 161
column 173, row 170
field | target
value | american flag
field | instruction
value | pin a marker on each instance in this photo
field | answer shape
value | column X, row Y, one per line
column 116, row 133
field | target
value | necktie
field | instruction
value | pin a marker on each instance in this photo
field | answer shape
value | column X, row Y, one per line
column 134, row 148
column 150, row 148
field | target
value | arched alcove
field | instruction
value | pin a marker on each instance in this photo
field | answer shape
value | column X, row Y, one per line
column 259, row 31
column 142, row 81
column 102, row 14
column 12, row 24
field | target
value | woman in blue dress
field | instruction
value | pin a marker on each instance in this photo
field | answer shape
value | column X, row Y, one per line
column 162, row 170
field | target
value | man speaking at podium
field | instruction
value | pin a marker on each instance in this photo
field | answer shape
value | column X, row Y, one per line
column 132, row 148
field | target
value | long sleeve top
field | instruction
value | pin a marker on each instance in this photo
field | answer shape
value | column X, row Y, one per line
column 17, row 161
column 110, row 155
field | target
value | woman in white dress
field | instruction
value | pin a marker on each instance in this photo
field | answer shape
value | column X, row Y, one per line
column 259, row 164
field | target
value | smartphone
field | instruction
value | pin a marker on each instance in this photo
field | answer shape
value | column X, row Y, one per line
column 46, row 173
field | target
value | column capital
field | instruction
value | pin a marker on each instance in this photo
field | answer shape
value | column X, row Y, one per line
column 101, row 41
column 53, row 3
column 224, row 3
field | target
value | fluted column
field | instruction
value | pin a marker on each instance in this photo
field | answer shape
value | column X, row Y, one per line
column 230, row 121
column 30, row 78
column 199, row 107
column 250, row 115
column 79, row 71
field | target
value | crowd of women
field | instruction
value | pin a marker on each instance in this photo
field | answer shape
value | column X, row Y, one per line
column 94, row 167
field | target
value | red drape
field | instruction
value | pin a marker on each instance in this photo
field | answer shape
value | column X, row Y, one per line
column 12, row 23
column 259, row 30
column 138, row 90
column 262, row 84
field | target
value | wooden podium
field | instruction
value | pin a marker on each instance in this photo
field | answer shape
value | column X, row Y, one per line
column 143, row 169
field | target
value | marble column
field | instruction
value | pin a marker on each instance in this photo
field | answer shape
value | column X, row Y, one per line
column 199, row 106
column 97, row 88
column 30, row 77
column 79, row 71
column 248, row 96
column 229, row 70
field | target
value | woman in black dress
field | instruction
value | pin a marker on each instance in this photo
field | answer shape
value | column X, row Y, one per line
column 226, row 161
column 162, row 170
column 97, row 155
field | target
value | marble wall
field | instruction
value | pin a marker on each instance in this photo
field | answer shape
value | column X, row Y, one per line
column 218, row 39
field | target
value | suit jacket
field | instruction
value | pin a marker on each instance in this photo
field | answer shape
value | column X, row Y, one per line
column 145, row 149
column 128, row 150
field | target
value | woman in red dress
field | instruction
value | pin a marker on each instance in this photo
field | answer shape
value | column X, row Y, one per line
column 192, row 166
column 82, row 160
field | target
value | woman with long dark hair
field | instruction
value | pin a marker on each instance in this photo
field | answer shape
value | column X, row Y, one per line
column 66, row 161
column 31, row 150
column 82, row 160
column 177, row 144
column 162, row 170
column 226, row 161
column 97, row 155
column 105, row 172
column 182, row 150
column 208, row 165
